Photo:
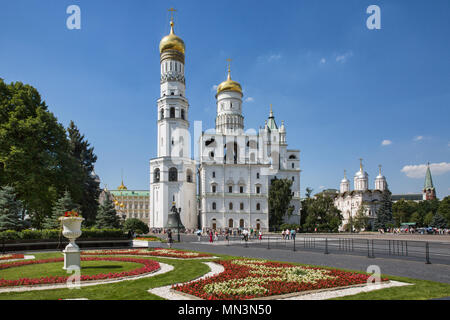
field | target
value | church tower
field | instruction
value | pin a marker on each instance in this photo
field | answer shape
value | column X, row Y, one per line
column 172, row 173
column 361, row 180
column 229, row 118
column 380, row 181
column 345, row 184
column 429, row 192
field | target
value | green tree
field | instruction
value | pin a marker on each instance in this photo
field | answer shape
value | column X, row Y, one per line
column 107, row 217
column 135, row 225
column 415, row 217
column 428, row 219
column 280, row 196
column 10, row 210
column 438, row 221
column 61, row 206
column 361, row 220
column 323, row 215
column 34, row 150
column 305, row 205
column 384, row 218
column 444, row 209
column 87, row 181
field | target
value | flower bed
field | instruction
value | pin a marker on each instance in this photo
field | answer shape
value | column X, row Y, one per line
column 148, row 266
column 11, row 256
column 156, row 252
column 248, row 279
column 148, row 238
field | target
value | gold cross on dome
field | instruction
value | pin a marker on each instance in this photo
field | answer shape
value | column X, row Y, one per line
column 229, row 64
column 172, row 10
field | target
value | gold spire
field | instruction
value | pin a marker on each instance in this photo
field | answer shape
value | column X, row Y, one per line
column 360, row 164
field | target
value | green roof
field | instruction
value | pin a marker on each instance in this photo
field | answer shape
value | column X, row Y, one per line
column 130, row 193
column 428, row 179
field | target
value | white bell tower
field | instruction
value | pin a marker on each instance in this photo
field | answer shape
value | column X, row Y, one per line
column 172, row 173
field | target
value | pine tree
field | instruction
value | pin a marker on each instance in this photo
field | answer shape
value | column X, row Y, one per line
column 280, row 196
column 107, row 217
column 384, row 217
column 89, row 190
column 10, row 210
column 61, row 206
column 438, row 221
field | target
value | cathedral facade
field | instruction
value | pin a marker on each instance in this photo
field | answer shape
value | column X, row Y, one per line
column 235, row 167
column 350, row 201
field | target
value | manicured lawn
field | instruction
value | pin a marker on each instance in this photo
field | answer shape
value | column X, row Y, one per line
column 185, row 270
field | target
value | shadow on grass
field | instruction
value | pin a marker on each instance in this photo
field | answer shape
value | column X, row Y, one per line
column 102, row 267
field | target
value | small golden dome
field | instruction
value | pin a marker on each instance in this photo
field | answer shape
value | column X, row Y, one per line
column 171, row 42
column 229, row 85
column 122, row 187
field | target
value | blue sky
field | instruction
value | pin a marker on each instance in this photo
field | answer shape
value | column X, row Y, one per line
column 341, row 88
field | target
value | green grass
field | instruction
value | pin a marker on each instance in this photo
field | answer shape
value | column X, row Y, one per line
column 55, row 269
column 185, row 270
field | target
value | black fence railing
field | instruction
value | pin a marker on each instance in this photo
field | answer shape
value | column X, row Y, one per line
column 427, row 251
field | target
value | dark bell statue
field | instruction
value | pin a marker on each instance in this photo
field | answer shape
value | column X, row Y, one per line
column 174, row 220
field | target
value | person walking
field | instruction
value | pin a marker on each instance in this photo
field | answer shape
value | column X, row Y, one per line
column 260, row 235
column 169, row 238
column 283, row 235
column 199, row 235
column 210, row 236
column 216, row 236
column 287, row 234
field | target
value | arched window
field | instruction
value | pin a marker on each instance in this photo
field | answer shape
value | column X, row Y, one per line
column 293, row 166
column 156, row 175
column 258, row 206
column 214, row 206
column 241, row 223
column 182, row 114
column 241, row 206
column 292, row 157
column 230, row 206
column 230, row 223
column 189, row 175
column 162, row 114
column 172, row 111
column 173, row 174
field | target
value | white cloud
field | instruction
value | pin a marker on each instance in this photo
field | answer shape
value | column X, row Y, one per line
column 249, row 99
column 418, row 171
column 323, row 61
column 274, row 57
column 418, row 138
column 344, row 57
column 386, row 142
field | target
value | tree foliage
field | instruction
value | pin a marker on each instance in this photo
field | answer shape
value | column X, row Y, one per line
column 280, row 196
column 61, row 206
column 107, row 217
column 384, row 217
column 85, row 159
column 10, row 210
column 135, row 225
column 322, row 214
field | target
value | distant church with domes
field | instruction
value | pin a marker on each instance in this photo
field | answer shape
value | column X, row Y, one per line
column 228, row 187
column 350, row 201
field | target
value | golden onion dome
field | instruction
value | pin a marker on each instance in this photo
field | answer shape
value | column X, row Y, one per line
column 171, row 42
column 229, row 85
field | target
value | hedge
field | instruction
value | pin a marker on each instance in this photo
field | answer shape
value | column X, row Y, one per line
column 55, row 234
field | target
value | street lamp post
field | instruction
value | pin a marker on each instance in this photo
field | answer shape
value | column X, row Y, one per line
column 178, row 223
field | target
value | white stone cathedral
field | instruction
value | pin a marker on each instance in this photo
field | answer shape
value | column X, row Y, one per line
column 235, row 167
column 350, row 201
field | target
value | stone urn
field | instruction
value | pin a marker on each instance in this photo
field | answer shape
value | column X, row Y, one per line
column 71, row 230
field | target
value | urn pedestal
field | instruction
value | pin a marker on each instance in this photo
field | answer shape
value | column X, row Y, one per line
column 71, row 230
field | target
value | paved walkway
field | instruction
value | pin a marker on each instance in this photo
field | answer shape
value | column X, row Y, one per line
column 388, row 266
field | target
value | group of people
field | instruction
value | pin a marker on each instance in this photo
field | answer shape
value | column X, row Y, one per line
column 226, row 234
column 288, row 234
